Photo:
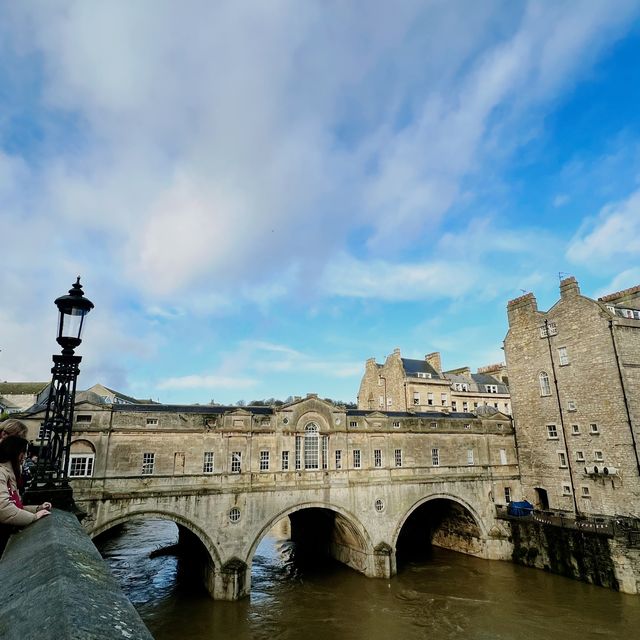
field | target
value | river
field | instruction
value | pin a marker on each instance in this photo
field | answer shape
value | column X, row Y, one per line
column 445, row 595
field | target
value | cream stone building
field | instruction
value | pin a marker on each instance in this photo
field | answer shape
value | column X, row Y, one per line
column 404, row 384
column 575, row 388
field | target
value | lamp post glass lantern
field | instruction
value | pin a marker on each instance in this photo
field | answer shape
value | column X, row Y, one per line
column 51, row 474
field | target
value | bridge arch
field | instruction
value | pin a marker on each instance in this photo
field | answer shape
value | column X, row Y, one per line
column 206, row 541
column 346, row 522
column 440, row 499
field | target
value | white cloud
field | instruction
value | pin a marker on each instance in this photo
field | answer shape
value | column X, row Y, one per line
column 211, row 382
column 611, row 237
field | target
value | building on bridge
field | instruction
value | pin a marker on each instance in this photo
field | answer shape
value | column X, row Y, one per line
column 368, row 481
column 575, row 388
column 404, row 384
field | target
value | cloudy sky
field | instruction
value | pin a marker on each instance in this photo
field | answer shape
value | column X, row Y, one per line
column 261, row 195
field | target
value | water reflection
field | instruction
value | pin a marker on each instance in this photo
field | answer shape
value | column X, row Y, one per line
column 448, row 596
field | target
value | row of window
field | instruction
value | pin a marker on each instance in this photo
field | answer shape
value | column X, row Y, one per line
column 585, row 492
column 598, row 456
column 552, row 430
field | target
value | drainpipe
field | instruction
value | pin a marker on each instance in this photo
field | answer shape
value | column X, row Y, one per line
column 624, row 395
column 564, row 435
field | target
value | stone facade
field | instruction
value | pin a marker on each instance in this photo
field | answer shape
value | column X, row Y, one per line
column 404, row 384
column 228, row 474
column 575, row 387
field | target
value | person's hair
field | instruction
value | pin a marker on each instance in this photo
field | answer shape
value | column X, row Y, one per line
column 10, row 449
column 13, row 427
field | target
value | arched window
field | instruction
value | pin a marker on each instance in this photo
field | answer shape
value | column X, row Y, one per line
column 311, row 448
column 545, row 388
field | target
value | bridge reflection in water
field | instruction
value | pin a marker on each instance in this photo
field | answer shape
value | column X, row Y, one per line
column 445, row 594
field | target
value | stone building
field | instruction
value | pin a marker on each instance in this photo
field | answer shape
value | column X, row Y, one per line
column 18, row 396
column 574, row 374
column 404, row 384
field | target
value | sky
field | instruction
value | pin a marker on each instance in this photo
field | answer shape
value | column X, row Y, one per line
column 259, row 196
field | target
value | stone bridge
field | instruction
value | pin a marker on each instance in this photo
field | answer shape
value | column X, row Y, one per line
column 359, row 485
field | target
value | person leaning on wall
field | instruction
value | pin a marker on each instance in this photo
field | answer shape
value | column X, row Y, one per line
column 13, row 513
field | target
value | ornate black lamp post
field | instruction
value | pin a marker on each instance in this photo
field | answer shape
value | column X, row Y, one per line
column 51, row 473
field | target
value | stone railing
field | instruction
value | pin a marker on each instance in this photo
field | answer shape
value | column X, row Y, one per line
column 54, row 585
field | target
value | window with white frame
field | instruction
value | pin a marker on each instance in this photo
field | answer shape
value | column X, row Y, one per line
column 575, row 429
column 454, row 405
column 338, row 459
column 461, row 386
column 311, row 446
column 491, row 388
column 443, row 399
column 416, row 397
column 207, row 462
column 507, row 494
column 545, row 387
column 236, row 461
column 152, row 422
column 552, row 432
column 264, row 461
column 562, row 459
column 586, row 493
column 430, row 398
column 465, row 406
column 422, row 374
column 396, row 424
column 566, row 489
column 389, row 402
column 298, row 453
column 470, row 460
column 580, row 456
column 503, row 456
column 433, row 425
column 148, row 461
column 381, row 401
column 377, row 457
column 285, row 461
column 548, row 329
column 598, row 456
column 325, row 452
column 593, row 428
column 563, row 356
column 357, row 459
column 353, row 423
column 81, row 465
column 44, row 434
column 435, row 457
column 397, row 457
column 571, row 405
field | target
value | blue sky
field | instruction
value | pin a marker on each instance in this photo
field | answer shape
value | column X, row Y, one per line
column 261, row 195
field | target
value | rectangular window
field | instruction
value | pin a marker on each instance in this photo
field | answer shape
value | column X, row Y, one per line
column 430, row 398
column 552, row 432
column 475, row 405
column 264, row 461
column 397, row 457
column 443, row 399
column 396, row 424
column 377, row 457
column 507, row 494
column 461, row 386
column 83, row 417
column 470, row 460
column 81, row 465
column 465, row 406
column 563, row 356
column 379, row 381
column 148, row 460
column 562, row 459
column 389, row 402
column 381, row 401
column 416, row 397
column 593, row 428
column 285, row 461
column 207, row 462
column 575, row 429
column 566, row 490
column 598, row 456
column 353, row 423
column 152, row 422
column 571, row 405
column 435, row 457
column 467, row 426
column 44, row 434
column 325, row 452
column 585, row 492
column 433, row 425
column 503, row 456
column 454, row 405
column 491, row 388
column 236, row 461
column 338, row 459
column 580, row 456
column 298, row 461
column 357, row 461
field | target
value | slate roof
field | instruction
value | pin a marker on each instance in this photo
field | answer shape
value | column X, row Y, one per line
column 478, row 382
column 434, row 415
column 21, row 388
column 189, row 408
column 413, row 367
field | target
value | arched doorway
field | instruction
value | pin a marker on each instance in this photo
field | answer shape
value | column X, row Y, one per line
column 438, row 522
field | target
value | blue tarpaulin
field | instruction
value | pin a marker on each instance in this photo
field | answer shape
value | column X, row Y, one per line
column 523, row 508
